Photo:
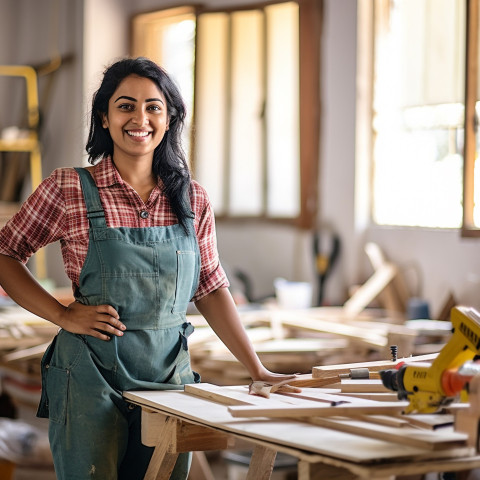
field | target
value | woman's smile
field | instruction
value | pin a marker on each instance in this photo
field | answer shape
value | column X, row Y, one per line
column 138, row 135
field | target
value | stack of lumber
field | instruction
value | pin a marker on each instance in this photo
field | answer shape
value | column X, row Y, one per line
column 338, row 410
column 295, row 341
column 23, row 340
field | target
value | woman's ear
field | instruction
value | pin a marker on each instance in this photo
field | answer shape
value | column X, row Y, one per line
column 104, row 118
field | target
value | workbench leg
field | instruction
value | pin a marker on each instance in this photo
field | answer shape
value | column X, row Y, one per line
column 261, row 464
column 162, row 463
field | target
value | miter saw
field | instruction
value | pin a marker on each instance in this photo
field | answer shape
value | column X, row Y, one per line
column 429, row 387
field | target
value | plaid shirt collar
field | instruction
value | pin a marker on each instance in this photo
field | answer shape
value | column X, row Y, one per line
column 106, row 174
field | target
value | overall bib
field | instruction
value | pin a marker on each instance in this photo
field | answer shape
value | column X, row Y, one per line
column 148, row 275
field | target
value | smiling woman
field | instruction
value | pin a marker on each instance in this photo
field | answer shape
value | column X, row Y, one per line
column 138, row 242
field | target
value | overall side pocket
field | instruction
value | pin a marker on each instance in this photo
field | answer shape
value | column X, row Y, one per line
column 184, row 280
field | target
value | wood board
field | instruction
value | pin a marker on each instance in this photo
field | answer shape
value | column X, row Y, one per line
column 376, row 426
column 376, row 366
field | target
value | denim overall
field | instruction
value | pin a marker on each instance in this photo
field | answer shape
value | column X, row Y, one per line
column 148, row 275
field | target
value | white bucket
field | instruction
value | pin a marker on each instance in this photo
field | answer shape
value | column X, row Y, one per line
column 293, row 295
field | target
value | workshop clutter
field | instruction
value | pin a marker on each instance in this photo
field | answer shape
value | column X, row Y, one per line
column 22, row 443
column 295, row 341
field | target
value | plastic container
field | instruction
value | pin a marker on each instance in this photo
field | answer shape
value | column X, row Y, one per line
column 293, row 295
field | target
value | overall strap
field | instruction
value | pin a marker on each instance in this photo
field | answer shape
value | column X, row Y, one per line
column 95, row 213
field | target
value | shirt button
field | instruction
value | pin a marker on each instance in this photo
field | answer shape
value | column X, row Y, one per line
column 144, row 214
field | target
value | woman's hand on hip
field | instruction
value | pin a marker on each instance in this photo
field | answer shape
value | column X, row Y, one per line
column 100, row 321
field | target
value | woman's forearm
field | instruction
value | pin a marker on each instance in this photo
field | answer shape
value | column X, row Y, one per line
column 101, row 321
column 220, row 311
column 23, row 289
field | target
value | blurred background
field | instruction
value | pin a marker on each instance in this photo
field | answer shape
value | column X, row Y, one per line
column 281, row 99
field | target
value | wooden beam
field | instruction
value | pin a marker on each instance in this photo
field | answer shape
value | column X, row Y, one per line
column 385, row 408
column 329, row 370
column 162, row 430
column 311, row 20
column 261, row 464
column 411, row 436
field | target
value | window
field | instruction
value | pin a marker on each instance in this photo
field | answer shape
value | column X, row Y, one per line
column 418, row 71
column 418, row 112
column 254, row 93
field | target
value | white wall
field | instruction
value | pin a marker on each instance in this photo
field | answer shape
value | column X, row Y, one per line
column 444, row 261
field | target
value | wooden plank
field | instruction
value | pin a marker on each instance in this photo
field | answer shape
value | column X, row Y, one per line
column 414, row 437
column 396, row 422
column 376, row 366
column 378, row 397
column 162, row 463
column 430, row 421
column 365, row 294
column 261, row 463
column 306, row 322
column 370, row 386
column 191, row 437
column 317, row 410
column 237, row 395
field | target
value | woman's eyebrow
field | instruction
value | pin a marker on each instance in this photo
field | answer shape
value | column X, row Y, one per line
column 154, row 100
column 126, row 98
column 134, row 99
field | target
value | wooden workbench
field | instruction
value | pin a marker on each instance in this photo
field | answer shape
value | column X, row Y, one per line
column 176, row 421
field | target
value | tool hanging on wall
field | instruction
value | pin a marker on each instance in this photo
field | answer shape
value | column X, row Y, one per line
column 326, row 249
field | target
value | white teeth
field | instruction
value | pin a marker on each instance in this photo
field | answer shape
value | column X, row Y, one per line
column 137, row 134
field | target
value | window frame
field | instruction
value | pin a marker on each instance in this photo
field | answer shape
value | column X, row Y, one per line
column 468, row 228
column 310, row 30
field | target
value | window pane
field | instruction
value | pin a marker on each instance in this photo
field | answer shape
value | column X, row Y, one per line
column 168, row 38
column 210, row 105
column 246, row 170
column 282, row 111
column 418, row 120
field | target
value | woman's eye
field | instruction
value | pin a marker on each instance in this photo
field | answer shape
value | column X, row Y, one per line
column 126, row 106
column 155, row 108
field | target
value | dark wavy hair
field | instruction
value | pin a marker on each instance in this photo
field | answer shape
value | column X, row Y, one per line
column 169, row 162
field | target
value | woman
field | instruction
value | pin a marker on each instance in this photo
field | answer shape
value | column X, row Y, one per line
column 138, row 242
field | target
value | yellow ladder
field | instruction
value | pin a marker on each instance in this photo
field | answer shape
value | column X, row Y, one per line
column 30, row 142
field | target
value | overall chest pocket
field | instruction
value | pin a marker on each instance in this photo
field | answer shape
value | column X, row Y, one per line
column 129, row 281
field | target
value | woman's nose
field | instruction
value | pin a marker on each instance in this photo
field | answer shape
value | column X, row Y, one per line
column 140, row 117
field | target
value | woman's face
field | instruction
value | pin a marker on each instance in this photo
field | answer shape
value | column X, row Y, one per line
column 137, row 118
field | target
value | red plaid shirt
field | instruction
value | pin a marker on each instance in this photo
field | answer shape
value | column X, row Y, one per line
column 57, row 211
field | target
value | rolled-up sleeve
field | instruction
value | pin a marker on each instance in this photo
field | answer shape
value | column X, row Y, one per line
column 212, row 275
column 38, row 222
